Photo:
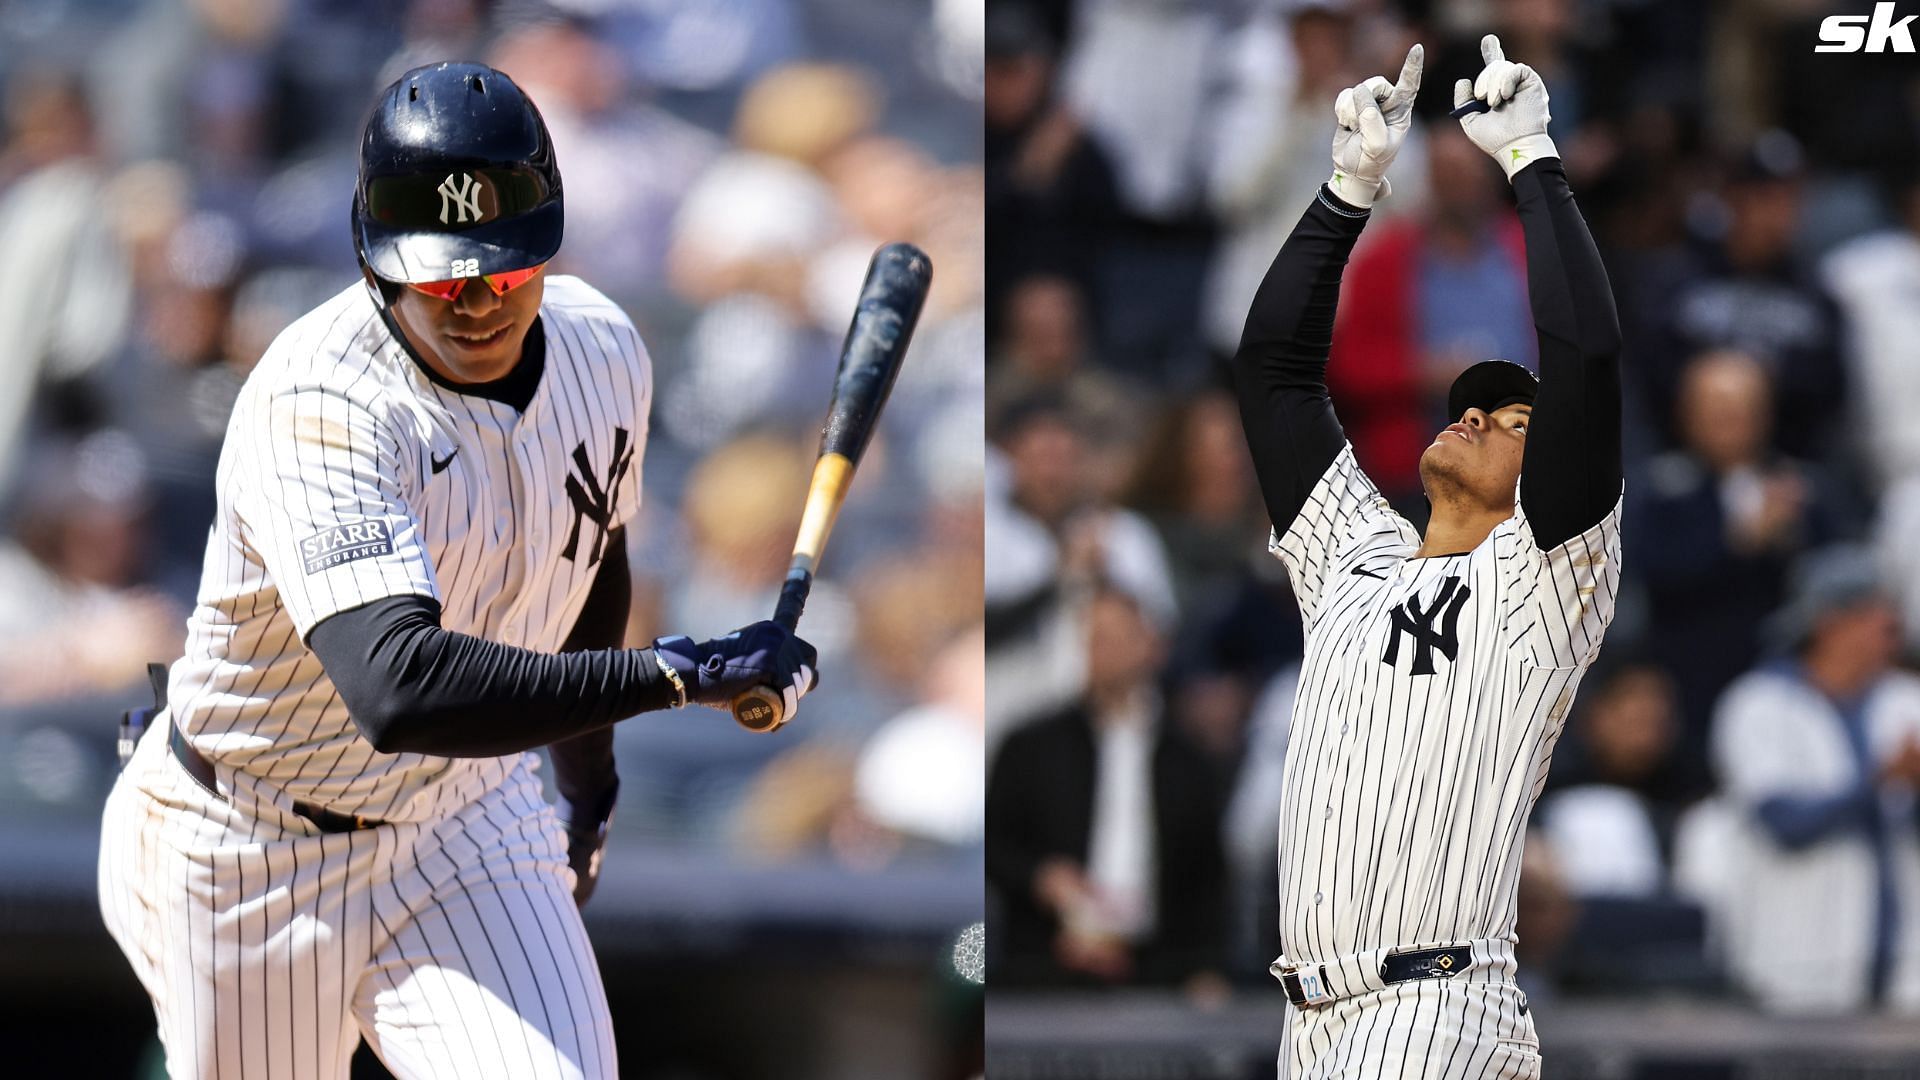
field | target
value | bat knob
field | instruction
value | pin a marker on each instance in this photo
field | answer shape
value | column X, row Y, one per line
column 759, row 710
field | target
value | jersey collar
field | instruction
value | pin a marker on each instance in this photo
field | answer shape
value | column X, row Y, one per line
column 515, row 389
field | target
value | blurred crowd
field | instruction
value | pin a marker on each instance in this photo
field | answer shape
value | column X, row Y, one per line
column 175, row 184
column 1731, row 808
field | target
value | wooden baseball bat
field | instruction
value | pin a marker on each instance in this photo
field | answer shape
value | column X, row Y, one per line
column 890, row 302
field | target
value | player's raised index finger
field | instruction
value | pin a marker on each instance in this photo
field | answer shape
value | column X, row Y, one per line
column 1410, row 72
column 1490, row 49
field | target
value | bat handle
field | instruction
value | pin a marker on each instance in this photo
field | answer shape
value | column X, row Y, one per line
column 762, row 709
column 793, row 598
column 1475, row 105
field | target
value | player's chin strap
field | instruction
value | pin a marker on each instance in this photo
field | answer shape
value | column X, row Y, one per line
column 383, row 304
column 382, row 298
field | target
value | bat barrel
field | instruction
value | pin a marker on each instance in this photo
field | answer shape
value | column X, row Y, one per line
column 883, row 323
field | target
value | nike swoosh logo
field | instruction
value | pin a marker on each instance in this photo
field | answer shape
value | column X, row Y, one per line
column 440, row 464
column 1362, row 571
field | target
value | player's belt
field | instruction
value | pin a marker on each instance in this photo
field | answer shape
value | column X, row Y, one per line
column 201, row 770
column 1309, row 985
column 327, row 821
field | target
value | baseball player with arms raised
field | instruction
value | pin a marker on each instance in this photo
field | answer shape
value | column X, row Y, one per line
column 417, row 574
column 1438, row 668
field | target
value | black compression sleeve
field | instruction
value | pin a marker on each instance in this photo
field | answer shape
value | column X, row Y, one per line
column 1280, row 370
column 411, row 686
column 583, row 765
column 1571, row 475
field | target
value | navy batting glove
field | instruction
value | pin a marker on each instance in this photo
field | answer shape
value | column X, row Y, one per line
column 586, row 830
column 764, row 654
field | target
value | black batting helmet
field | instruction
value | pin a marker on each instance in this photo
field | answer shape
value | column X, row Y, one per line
column 457, row 178
column 1491, row 385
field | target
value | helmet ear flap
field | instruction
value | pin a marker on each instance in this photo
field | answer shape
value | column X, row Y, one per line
column 387, row 291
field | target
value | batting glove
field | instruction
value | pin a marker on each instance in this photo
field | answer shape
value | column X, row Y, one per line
column 1373, row 119
column 764, row 654
column 1514, row 131
column 586, row 830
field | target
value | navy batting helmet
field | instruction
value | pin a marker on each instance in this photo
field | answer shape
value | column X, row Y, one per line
column 457, row 178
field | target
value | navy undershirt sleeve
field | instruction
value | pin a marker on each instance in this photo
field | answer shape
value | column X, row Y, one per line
column 583, row 770
column 1571, row 475
column 412, row 686
column 1280, row 369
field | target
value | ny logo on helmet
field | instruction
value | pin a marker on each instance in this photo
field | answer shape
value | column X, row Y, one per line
column 465, row 198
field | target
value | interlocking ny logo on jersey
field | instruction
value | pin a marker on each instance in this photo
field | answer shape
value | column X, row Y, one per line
column 1417, row 623
column 463, row 199
column 345, row 543
column 591, row 502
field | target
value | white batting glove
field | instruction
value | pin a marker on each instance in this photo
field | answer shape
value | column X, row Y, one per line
column 1515, row 131
column 803, row 680
column 1373, row 118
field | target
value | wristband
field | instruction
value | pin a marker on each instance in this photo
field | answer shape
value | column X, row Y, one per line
column 1338, row 205
column 580, row 818
column 1353, row 190
column 1523, row 152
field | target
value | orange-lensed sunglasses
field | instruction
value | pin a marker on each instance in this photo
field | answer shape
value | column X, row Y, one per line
column 501, row 283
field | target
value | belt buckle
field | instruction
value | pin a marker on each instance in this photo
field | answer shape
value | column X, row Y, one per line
column 354, row 822
column 333, row 821
column 1305, row 986
column 1443, row 965
column 1430, row 962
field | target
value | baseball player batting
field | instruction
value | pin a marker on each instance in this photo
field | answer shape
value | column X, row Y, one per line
column 417, row 574
column 1438, row 668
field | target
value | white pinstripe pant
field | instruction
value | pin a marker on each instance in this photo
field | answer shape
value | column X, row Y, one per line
column 1428, row 1029
column 269, row 948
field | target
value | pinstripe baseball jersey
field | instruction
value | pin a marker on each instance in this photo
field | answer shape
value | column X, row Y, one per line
column 350, row 475
column 270, row 948
column 1430, row 698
